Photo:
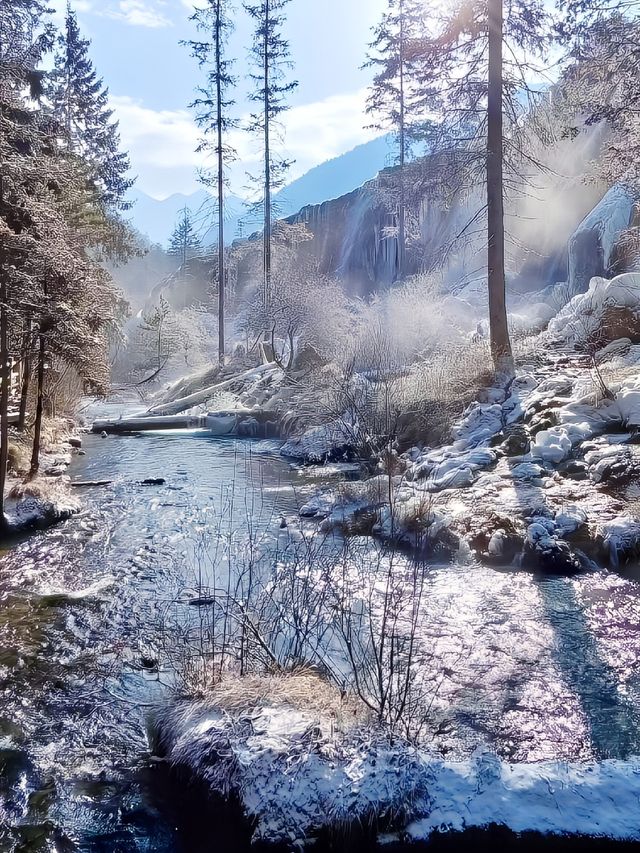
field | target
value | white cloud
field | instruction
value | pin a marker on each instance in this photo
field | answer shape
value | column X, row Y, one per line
column 313, row 133
column 162, row 143
column 140, row 13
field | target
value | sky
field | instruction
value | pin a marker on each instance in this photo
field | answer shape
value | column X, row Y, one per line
column 151, row 76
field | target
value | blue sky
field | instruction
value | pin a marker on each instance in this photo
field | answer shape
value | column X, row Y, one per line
column 152, row 77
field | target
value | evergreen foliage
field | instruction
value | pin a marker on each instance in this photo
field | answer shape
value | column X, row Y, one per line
column 184, row 243
column 80, row 102
column 213, row 106
column 53, row 294
column 600, row 78
column 270, row 63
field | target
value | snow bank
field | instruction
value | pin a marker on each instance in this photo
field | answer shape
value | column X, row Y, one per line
column 595, row 799
column 294, row 776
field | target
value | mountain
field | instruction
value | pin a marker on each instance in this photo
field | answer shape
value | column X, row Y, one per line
column 157, row 219
column 329, row 180
column 336, row 177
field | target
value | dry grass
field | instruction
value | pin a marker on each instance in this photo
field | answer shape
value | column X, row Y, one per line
column 19, row 457
column 303, row 690
column 44, row 488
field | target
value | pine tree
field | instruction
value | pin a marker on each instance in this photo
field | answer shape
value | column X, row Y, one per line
column 270, row 55
column 184, row 243
column 49, row 284
column 80, row 102
column 25, row 36
column 600, row 78
column 392, row 98
column 475, row 61
column 212, row 114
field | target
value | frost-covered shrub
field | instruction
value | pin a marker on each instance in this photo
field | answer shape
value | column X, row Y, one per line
column 164, row 343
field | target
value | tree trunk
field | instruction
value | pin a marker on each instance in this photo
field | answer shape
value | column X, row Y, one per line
column 37, row 427
column 267, row 166
column 221, row 259
column 403, row 144
column 499, row 330
column 26, row 376
column 4, row 374
column 5, row 378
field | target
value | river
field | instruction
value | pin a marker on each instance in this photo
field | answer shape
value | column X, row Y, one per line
column 536, row 668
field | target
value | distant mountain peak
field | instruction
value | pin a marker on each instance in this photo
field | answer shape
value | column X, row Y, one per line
column 331, row 179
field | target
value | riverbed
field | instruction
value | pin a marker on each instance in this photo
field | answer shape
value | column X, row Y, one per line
column 534, row 668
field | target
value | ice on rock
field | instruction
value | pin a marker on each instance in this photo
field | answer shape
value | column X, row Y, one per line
column 597, row 235
column 480, row 423
column 621, row 537
column 582, row 319
column 552, row 445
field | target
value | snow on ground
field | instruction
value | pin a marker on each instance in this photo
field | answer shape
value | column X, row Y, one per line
column 295, row 775
column 561, row 435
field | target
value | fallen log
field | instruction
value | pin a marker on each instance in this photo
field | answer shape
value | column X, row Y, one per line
column 200, row 397
column 79, row 484
column 143, row 424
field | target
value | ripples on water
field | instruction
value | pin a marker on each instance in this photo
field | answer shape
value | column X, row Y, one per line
column 536, row 667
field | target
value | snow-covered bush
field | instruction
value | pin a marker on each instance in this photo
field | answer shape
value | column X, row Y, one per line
column 163, row 343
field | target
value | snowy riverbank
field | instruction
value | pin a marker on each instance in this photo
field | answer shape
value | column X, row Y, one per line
column 46, row 499
column 546, row 470
column 297, row 776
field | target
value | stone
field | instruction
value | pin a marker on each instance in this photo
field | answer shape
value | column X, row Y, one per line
column 76, row 442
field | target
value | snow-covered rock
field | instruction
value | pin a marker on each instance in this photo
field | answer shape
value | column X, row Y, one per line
column 608, row 311
column 320, row 443
column 36, row 513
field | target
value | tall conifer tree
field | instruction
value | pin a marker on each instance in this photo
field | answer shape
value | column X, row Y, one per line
column 184, row 243
column 212, row 114
column 476, row 59
column 271, row 61
column 80, row 102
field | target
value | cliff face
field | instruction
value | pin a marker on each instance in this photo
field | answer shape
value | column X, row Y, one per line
column 349, row 239
column 554, row 230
